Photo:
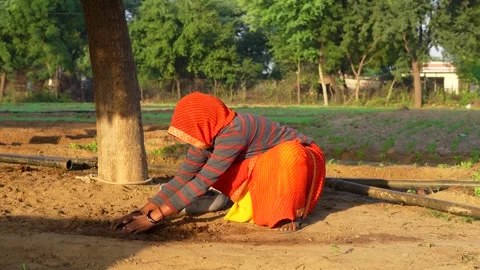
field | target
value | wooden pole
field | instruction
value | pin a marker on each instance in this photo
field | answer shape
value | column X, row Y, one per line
column 410, row 184
column 405, row 198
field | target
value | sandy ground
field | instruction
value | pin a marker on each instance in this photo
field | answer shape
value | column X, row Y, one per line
column 49, row 219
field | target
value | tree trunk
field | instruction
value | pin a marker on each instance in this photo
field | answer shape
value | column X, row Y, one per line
column 344, row 90
column 243, row 83
column 179, row 90
column 20, row 89
column 322, row 81
column 172, row 91
column 214, row 87
column 298, row 82
column 357, row 77
column 3, row 79
column 244, row 91
column 121, row 149
column 56, row 83
column 390, row 90
column 417, row 83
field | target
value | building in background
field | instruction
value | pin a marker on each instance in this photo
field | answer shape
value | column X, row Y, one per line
column 444, row 74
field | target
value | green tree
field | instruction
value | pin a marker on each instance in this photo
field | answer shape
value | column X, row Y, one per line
column 294, row 31
column 155, row 30
column 328, row 34
column 220, row 62
column 285, row 23
column 459, row 34
column 14, row 53
column 41, row 36
column 363, row 37
column 409, row 23
column 182, row 38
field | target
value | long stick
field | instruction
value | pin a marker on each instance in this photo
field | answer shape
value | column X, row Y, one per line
column 410, row 184
column 405, row 198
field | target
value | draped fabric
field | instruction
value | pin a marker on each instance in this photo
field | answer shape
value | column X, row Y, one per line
column 276, row 172
column 285, row 183
column 198, row 118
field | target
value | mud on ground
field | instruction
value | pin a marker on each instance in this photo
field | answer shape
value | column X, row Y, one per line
column 49, row 219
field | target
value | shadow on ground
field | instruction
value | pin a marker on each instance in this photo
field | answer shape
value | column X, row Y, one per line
column 88, row 244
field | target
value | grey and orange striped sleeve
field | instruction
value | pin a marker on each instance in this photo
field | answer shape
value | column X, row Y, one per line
column 182, row 190
column 189, row 168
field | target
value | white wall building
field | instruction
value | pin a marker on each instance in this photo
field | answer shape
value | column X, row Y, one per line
column 442, row 70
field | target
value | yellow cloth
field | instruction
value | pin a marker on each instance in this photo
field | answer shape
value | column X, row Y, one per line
column 241, row 211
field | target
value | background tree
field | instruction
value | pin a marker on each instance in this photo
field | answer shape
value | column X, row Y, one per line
column 328, row 35
column 459, row 35
column 43, row 38
column 121, row 150
column 57, row 36
column 363, row 38
column 154, row 31
column 14, row 51
column 220, row 60
column 409, row 23
column 288, row 25
column 185, row 39
column 253, row 59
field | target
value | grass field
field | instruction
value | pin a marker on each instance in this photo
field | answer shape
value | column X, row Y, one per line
column 449, row 136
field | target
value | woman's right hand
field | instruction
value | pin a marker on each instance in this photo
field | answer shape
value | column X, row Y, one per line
column 122, row 221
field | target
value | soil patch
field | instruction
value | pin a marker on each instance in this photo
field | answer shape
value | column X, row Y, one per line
column 50, row 219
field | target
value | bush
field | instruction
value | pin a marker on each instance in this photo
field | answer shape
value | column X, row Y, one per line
column 45, row 97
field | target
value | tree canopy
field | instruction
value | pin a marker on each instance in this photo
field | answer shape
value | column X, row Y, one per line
column 233, row 44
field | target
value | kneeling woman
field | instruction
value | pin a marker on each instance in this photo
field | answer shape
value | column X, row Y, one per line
column 272, row 173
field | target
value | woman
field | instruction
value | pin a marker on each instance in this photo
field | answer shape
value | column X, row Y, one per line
column 272, row 173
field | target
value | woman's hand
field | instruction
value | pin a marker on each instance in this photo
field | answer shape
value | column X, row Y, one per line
column 138, row 224
column 141, row 220
column 119, row 222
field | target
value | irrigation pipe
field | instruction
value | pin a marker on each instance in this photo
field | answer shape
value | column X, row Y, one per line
column 350, row 185
column 404, row 198
column 50, row 161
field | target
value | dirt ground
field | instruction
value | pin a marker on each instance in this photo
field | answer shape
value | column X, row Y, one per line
column 49, row 219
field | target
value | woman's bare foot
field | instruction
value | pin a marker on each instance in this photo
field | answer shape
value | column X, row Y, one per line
column 290, row 225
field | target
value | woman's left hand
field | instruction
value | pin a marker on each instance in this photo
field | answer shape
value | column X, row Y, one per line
column 138, row 224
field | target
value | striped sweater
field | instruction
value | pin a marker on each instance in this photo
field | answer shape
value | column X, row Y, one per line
column 246, row 136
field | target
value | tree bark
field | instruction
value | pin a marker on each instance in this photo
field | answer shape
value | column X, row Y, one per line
column 357, row 72
column 56, row 83
column 244, row 90
column 20, row 85
column 121, row 149
column 390, row 90
column 179, row 90
column 3, row 79
column 417, row 83
column 214, row 87
column 298, row 82
column 243, row 83
column 322, row 81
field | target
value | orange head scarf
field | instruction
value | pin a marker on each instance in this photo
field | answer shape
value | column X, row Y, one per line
column 198, row 118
